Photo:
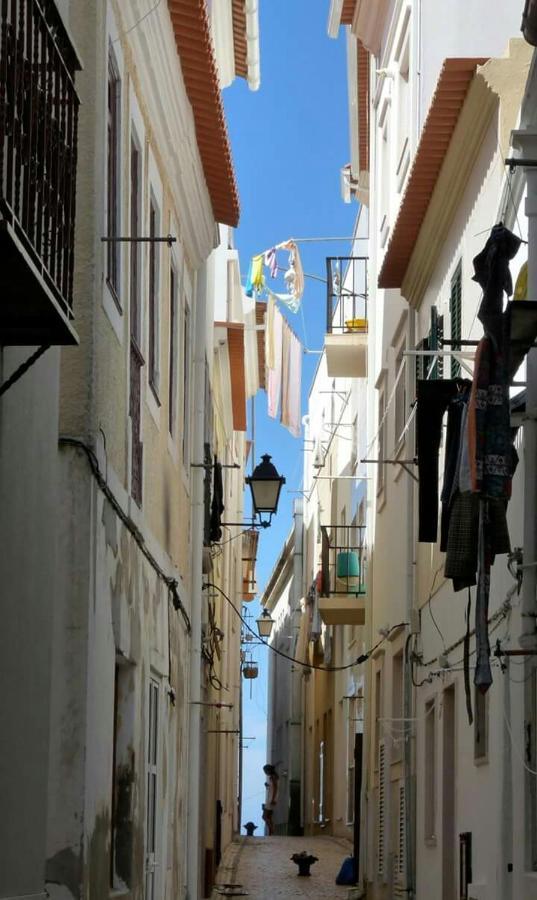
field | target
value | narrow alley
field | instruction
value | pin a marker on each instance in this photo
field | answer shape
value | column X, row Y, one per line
column 262, row 867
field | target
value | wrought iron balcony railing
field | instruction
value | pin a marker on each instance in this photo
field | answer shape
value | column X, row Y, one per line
column 346, row 303
column 343, row 560
column 38, row 155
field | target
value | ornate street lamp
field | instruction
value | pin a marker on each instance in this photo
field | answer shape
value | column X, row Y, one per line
column 265, row 485
column 264, row 624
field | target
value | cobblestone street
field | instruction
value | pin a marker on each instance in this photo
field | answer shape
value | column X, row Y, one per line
column 263, row 868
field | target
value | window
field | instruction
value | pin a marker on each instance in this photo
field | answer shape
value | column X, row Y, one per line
column 384, row 175
column 455, row 312
column 381, row 449
column 398, row 729
column 113, row 205
column 135, row 246
column 480, row 726
column 430, row 771
column 186, row 384
column 400, row 397
column 136, row 359
column 152, row 794
column 172, row 358
column 154, row 318
column 403, row 116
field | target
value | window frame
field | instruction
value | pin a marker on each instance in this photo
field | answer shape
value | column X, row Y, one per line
column 431, row 771
column 153, row 313
column 113, row 178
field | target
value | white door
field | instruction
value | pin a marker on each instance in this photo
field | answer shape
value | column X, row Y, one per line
column 151, row 798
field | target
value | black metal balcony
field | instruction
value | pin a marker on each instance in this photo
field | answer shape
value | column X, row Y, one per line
column 38, row 153
column 346, row 294
column 343, row 559
column 343, row 574
column 346, row 316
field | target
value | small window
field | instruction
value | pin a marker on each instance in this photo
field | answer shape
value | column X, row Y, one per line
column 430, row 771
column 113, row 205
column 480, row 726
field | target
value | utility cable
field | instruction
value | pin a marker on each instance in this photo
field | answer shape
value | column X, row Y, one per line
column 22, row 369
column 138, row 22
column 171, row 583
column 358, row 661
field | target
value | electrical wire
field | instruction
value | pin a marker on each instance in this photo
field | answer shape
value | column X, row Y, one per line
column 170, row 582
column 358, row 661
column 515, row 745
column 139, row 22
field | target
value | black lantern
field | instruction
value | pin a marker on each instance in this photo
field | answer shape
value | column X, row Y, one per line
column 265, row 485
column 264, row 624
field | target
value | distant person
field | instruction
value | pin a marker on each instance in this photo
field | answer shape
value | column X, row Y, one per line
column 271, row 798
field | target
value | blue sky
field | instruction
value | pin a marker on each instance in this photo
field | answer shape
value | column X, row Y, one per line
column 289, row 141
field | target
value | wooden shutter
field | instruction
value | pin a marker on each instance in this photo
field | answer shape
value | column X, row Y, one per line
column 455, row 312
column 381, row 834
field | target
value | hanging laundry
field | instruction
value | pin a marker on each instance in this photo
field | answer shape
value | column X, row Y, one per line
column 434, row 397
column 269, row 333
column 288, row 300
column 291, row 381
column 491, row 271
column 294, row 276
column 274, row 374
column 271, row 262
column 255, row 280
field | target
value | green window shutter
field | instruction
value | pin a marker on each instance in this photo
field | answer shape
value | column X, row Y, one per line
column 436, row 335
column 455, row 312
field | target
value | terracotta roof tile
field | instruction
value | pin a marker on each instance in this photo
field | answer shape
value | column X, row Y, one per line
column 239, row 38
column 196, row 54
column 363, row 107
column 347, row 12
column 446, row 104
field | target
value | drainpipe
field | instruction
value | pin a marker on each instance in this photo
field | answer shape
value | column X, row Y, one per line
column 526, row 141
column 197, row 520
column 410, row 805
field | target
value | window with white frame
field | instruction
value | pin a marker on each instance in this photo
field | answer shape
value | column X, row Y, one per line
column 384, row 173
column 113, row 177
column 403, row 109
column 173, row 320
column 400, row 396
column 381, row 442
column 153, row 298
column 187, row 350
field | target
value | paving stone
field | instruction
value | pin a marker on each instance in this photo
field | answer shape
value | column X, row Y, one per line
column 262, row 866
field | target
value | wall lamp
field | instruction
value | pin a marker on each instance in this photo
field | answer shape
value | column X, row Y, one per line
column 265, row 485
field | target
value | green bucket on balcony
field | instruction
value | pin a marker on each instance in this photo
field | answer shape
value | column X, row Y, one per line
column 348, row 566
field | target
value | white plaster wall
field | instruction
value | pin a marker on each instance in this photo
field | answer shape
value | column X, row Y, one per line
column 28, row 585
